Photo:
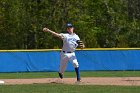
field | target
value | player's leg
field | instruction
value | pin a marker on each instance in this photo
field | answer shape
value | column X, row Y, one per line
column 77, row 70
column 76, row 66
column 63, row 64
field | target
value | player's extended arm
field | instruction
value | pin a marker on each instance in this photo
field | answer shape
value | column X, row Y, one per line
column 53, row 33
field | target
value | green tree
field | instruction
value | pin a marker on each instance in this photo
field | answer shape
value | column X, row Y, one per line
column 99, row 23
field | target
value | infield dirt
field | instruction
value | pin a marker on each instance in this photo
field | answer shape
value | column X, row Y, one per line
column 123, row 81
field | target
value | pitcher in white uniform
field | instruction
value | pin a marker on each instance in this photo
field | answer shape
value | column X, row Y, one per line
column 70, row 42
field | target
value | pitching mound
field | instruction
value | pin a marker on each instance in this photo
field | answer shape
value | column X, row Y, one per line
column 123, row 81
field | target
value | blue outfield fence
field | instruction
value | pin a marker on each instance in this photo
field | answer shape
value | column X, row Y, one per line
column 89, row 59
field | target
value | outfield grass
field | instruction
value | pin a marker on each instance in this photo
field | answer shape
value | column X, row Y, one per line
column 60, row 88
column 70, row 74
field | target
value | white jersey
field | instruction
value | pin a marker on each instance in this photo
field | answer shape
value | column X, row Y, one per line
column 69, row 42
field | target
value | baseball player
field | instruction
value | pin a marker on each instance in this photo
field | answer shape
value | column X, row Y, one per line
column 70, row 42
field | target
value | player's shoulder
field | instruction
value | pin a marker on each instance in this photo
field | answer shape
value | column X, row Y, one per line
column 64, row 34
column 76, row 35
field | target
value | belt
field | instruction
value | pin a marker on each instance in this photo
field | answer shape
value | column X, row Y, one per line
column 67, row 52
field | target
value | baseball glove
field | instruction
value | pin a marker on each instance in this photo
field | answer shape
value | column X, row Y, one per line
column 80, row 44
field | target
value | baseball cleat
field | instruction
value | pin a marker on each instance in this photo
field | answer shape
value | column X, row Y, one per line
column 78, row 80
column 60, row 75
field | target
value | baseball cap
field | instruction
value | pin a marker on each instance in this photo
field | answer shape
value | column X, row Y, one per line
column 69, row 25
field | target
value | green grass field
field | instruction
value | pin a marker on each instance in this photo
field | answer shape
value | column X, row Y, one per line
column 70, row 74
column 60, row 88
column 63, row 88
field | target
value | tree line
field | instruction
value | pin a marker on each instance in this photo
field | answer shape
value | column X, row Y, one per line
column 99, row 23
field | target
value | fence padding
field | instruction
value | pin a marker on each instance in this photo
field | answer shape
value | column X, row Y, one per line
column 22, row 61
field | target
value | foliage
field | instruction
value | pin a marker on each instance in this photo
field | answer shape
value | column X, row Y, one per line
column 99, row 23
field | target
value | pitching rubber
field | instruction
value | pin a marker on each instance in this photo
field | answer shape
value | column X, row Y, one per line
column 1, row 82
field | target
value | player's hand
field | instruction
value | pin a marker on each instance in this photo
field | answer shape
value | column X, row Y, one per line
column 80, row 44
column 45, row 29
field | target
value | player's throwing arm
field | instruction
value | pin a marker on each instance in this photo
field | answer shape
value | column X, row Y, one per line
column 79, row 42
column 53, row 33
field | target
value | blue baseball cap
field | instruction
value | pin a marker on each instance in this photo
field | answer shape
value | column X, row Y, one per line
column 69, row 25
